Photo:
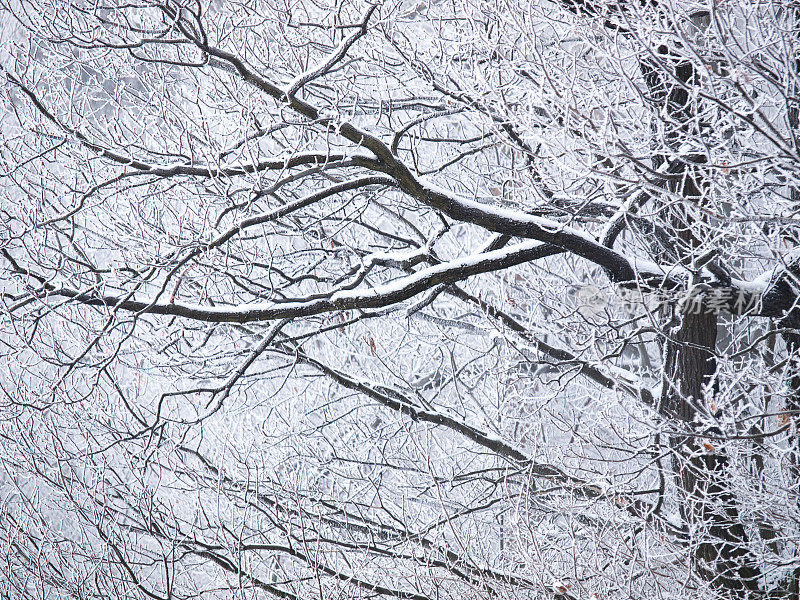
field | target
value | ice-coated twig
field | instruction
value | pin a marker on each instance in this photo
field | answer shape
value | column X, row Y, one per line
column 321, row 69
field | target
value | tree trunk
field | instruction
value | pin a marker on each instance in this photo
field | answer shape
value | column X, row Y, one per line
column 720, row 548
column 719, row 542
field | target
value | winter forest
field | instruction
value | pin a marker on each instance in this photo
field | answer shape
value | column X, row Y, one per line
column 436, row 300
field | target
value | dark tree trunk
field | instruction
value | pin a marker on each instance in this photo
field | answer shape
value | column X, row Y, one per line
column 719, row 544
